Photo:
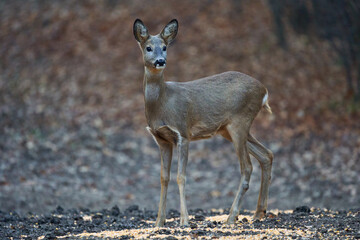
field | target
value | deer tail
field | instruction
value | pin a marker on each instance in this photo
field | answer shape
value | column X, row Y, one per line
column 265, row 102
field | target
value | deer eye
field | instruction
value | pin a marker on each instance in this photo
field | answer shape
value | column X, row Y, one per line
column 164, row 48
column 148, row 49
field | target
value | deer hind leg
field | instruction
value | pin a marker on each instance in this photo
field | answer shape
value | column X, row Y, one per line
column 265, row 158
column 239, row 137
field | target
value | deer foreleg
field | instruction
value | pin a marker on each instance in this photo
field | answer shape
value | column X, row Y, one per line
column 166, row 156
column 183, row 146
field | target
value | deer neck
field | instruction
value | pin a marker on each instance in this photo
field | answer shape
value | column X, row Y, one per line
column 154, row 88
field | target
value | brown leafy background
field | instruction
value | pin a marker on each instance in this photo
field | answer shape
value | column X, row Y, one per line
column 72, row 124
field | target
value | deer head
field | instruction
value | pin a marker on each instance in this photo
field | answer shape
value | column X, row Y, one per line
column 154, row 48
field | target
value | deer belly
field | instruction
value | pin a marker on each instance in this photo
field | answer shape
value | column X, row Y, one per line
column 201, row 130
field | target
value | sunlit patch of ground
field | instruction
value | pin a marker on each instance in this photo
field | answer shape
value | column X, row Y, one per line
column 301, row 223
column 221, row 231
column 180, row 233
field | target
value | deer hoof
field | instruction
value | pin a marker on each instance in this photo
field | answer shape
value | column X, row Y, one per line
column 184, row 222
column 230, row 221
column 160, row 223
column 259, row 215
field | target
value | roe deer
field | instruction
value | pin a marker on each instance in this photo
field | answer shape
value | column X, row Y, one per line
column 180, row 112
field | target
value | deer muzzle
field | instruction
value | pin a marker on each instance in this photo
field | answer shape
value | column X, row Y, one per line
column 160, row 63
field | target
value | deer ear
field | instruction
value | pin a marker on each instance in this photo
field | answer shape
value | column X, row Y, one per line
column 140, row 31
column 170, row 30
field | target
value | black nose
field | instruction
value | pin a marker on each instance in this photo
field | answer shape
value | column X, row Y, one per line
column 160, row 62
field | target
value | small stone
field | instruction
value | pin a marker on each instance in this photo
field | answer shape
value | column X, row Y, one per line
column 115, row 211
column 210, row 225
column 55, row 220
column 59, row 210
column 302, row 209
column 193, row 225
column 198, row 232
column 78, row 218
column 164, row 231
column 199, row 217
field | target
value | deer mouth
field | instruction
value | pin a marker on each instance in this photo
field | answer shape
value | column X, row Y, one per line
column 159, row 64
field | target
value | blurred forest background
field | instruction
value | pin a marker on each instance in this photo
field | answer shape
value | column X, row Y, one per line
column 72, row 124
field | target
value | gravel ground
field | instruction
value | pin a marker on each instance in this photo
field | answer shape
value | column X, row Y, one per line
column 93, row 168
column 99, row 169
column 134, row 222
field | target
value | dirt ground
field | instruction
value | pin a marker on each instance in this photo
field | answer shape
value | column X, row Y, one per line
column 72, row 124
column 300, row 223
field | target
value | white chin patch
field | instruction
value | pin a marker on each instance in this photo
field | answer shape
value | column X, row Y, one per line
column 160, row 67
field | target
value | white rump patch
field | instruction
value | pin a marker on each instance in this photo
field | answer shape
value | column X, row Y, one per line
column 265, row 98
